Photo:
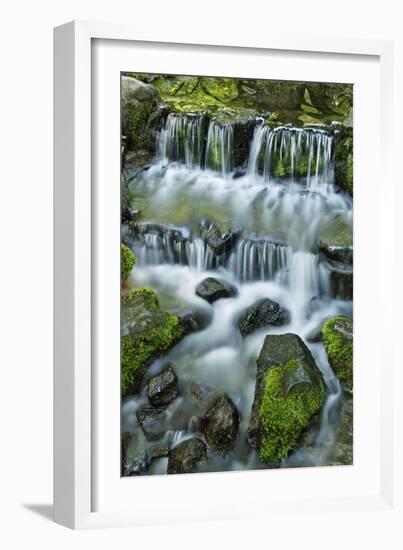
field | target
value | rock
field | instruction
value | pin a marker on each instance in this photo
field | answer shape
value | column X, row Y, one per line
column 187, row 456
column 189, row 323
column 158, row 451
column 343, row 449
column 289, row 392
column 341, row 280
column 263, row 313
column 220, row 242
column 335, row 240
column 141, row 113
column 220, row 425
column 337, row 334
column 163, row 387
column 147, row 332
column 137, row 465
column 212, row 289
column 343, row 162
column 153, row 422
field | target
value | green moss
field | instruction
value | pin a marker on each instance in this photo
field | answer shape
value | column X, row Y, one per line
column 151, row 331
column 344, row 161
column 337, row 335
column 284, row 413
column 127, row 261
column 336, row 231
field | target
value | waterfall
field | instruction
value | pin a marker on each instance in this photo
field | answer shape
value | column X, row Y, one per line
column 219, row 147
column 259, row 260
column 251, row 259
column 181, row 139
column 293, row 152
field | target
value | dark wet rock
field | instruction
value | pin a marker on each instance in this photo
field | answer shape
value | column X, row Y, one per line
column 343, row 449
column 337, row 334
column 158, row 451
column 189, row 323
column 137, row 465
column 289, row 392
column 341, row 280
column 212, row 289
column 220, row 241
column 201, row 394
column 220, row 425
column 262, row 314
column 187, row 456
column 342, row 254
column 153, row 422
column 163, row 387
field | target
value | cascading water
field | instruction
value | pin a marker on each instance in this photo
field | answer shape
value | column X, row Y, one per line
column 181, row 139
column 272, row 212
column 293, row 152
column 219, row 147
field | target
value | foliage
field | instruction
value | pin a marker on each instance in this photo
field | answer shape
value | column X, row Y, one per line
column 337, row 335
column 127, row 261
column 285, row 413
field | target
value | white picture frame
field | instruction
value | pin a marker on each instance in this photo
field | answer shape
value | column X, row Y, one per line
column 75, row 392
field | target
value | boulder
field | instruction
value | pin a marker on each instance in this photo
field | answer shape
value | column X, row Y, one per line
column 289, row 392
column 262, row 314
column 187, row 456
column 141, row 113
column 147, row 332
column 335, row 240
column 337, row 335
column 212, row 289
column 220, row 425
column 163, row 387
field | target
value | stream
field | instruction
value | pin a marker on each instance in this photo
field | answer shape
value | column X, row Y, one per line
column 275, row 217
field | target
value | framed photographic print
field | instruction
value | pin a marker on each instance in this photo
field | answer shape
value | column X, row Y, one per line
column 212, row 201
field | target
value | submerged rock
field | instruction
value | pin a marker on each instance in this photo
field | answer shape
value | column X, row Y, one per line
column 220, row 425
column 187, row 456
column 289, row 392
column 337, row 334
column 263, row 313
column 212, row 289
column 147, row 332
column 163, row 387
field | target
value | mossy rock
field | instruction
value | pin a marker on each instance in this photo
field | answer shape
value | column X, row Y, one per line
column 148, row 331
column 127, row 262
column 289, row 393
column 337, row 335
column 343, row 162
column 335, row 239
column 141, row 115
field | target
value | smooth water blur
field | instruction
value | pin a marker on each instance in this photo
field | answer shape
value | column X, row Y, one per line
column 276, row 257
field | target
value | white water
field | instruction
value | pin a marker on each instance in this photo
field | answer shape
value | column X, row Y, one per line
column 275, row 257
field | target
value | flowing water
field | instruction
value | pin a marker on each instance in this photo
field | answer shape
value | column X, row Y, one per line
column 275, row 219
